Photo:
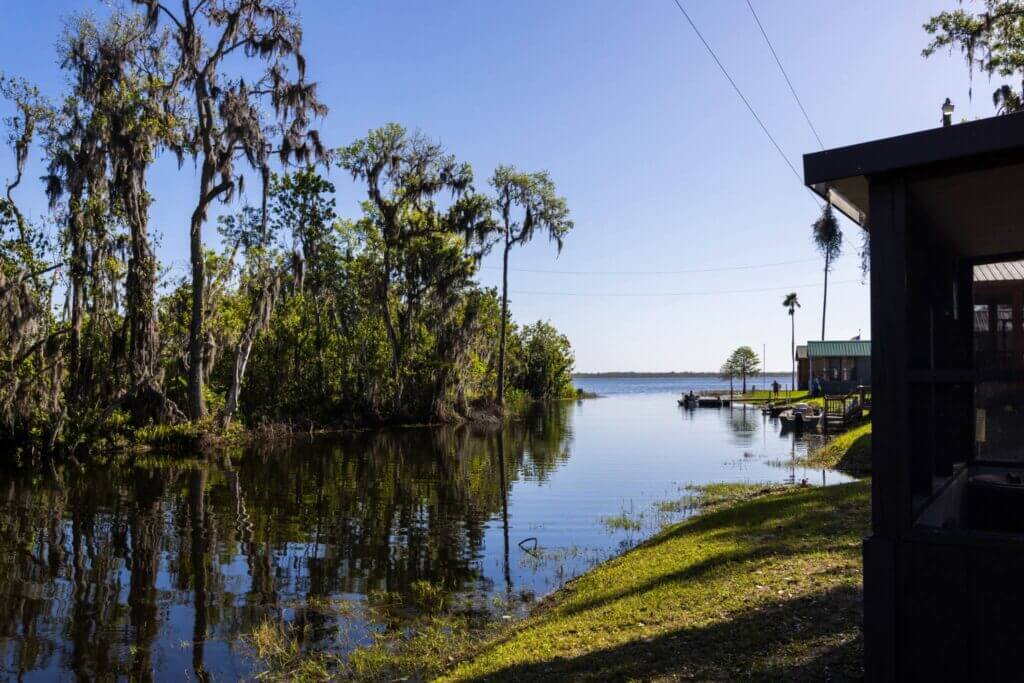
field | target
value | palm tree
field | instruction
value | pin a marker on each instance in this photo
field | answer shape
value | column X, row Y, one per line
column 828, row 239
column 1006, row 101
column 791, row 302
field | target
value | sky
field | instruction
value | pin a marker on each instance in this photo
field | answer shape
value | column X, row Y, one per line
column 664, row 169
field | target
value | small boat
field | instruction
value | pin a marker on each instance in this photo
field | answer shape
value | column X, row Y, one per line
column 776, row 409
column 799, row 416
column 688, row 401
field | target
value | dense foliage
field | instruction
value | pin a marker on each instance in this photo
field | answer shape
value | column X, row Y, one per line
column 300, row 315
column 991, row 40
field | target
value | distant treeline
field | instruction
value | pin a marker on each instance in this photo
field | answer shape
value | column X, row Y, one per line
column 655, row 375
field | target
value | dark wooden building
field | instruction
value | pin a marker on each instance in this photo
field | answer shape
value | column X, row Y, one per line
column 803, row 368
column 944, row 562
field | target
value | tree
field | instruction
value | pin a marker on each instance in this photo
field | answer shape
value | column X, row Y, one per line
column 303, row 204
column 728, row 371
column 991, row 40
column 229, row 120
column 122, row 87
column 29, row 387
column 545, row 363
column 791, row 303
column 743, row 362
column 532, row 197
column 828, row 239
column 259, row 286
column 422, row 249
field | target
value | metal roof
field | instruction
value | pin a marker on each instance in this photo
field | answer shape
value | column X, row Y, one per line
column 833, row 349
column 999, row 272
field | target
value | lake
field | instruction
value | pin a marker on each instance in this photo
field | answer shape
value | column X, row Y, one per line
column 155, row 569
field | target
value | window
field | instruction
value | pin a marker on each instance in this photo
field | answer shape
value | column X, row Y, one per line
column 980, row 318
column 1004, row 326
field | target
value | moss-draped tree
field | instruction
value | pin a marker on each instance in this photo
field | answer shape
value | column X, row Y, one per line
column 230, row 122
column 991, row 41
column 526, row 203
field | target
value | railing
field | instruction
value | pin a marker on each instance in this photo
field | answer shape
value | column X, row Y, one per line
column 841, row 411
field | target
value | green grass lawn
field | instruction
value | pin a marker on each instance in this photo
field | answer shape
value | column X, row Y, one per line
column 765, row 396
column 769, row 587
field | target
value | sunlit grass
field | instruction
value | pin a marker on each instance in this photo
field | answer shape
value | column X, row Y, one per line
column 420, row 653
column 763, row 587
column 283, row 658
column 765, row 396
column 849, row 452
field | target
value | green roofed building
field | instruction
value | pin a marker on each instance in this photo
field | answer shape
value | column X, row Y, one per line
column 835, row 367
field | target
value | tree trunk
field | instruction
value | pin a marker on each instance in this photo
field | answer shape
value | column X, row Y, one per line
column 207, row 193
column 197, row 406
column 389, row 324
column 259, row 318
column 321, row 374
column 824, row 299
column 241, row 361
column 792, row 349
column 504, row 326
column 77, row 293
column 744, row 383
column 140, row 284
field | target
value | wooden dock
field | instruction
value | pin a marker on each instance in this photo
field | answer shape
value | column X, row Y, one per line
column 843, row 411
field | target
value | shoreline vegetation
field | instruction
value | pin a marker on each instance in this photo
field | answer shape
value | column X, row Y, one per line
column 210, row 435
column 300, row 315
column 763, row 582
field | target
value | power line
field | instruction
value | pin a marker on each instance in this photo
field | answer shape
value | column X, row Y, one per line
column 655, row 272
column 785, row 75
column 796, row 97
column 814, row 197
column 673, row 294
column 739, row 92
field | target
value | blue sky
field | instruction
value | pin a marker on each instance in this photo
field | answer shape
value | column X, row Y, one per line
column 663, row 167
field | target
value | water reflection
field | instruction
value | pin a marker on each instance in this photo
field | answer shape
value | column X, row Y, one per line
column 156, row 569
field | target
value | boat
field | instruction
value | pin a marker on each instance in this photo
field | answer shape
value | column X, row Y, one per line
column 776, row 409
column 688, row 401
column 799, row 416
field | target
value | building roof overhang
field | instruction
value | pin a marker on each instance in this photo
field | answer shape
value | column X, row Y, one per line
column 843, row 175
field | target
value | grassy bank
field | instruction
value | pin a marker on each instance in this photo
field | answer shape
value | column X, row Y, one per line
column 765, row 583
column 849, row 452
column 768, row 587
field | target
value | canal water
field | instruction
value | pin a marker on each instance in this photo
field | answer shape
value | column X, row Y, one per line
column 156, row 569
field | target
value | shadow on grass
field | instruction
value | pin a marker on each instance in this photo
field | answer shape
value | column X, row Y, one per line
column 857, row 458
column 784, row 541
column 825, row 626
